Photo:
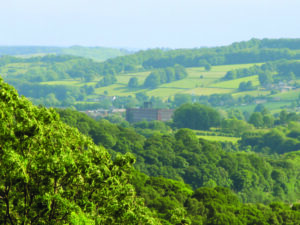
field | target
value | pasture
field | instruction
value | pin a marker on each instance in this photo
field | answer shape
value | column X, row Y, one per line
column 219, row 138
column 198, row 82
column 234, row 84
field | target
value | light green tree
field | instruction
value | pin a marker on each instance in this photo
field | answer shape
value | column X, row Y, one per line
column 52, row 174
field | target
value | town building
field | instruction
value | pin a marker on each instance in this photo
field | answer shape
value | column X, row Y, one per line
column 147, row 113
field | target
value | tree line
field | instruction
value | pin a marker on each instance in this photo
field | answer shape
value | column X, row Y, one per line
column 182, row 156
column 52, row 174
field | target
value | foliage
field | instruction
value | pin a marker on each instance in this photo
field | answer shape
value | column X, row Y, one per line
column 184, row 157
column 51, row 174
column 176, row 203
column 278, row 140
column 166, row 75
column 246, row 86
column 106, row 81
column 234, row 126
column 133, row 82
column 196, row 116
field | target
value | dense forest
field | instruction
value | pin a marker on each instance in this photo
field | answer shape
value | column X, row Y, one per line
column 180, row 155
column 61, row 166
column 50, row 173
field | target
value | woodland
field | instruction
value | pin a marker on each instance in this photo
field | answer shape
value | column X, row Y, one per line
column 60, row 166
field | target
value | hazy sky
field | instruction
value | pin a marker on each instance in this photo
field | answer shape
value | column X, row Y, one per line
column 145, row 23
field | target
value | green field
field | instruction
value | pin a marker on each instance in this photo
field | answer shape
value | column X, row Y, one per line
column 274, row 107
column 219, row 138
column 254, row 93
column 124, row 78
column 198, row 82
column 291, row 95
column 234, row 84
column 14, row 69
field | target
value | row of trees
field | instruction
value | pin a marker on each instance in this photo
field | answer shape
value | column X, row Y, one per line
column 178, row 204
column 244, row 52
column 161, row 76
column 52, row 67
column 52, row 174
column 62, row 93
column 184, row 157
column 283, row 70
column 201, row 117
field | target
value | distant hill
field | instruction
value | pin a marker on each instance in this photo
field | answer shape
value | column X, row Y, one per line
column 242, row 75
column 96, row 53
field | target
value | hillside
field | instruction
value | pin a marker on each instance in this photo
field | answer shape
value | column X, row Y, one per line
column 240, row 75
column 52, row 174
column 96, row 53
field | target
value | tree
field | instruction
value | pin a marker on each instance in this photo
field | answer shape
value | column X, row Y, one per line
column 170, row 73
column 180, row 99
column 207, row 67
column 52, row 174
column 230, row 75
column 153, row 80
column 256, row 119
column 180, row 72
column 133, row 82
column 196, row 116
column 268, row 120
column 234, row 126
column 106, row 81
column 265, row 78
column 260, row 108
column 246, row 86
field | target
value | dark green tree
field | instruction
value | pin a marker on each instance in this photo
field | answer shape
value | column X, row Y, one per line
column 265, row 78
column 256, row 119
column 207, row 67
column 133, row 82
column 196, row 116
column 153, row 80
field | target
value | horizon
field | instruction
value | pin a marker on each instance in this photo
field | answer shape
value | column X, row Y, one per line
column 149, row 24
column 138, row 49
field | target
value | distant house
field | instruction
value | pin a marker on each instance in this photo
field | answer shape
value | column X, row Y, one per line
column 97, row 113
column 148, row 114
column 103, row 112
column 260, row 101
column 286, row 88
column 101, row 98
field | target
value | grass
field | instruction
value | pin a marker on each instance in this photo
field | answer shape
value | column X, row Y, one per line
column 254, row 93
column 124, row 78
column 291, row 95
column 207, row 91
column 220, row 138
column 274, row 107
column 13, row 69
column 234, row 84
column 215, row 135
column 198, row 82
column 193, row 84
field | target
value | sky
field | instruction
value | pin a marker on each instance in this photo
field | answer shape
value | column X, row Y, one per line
column 142, row 24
